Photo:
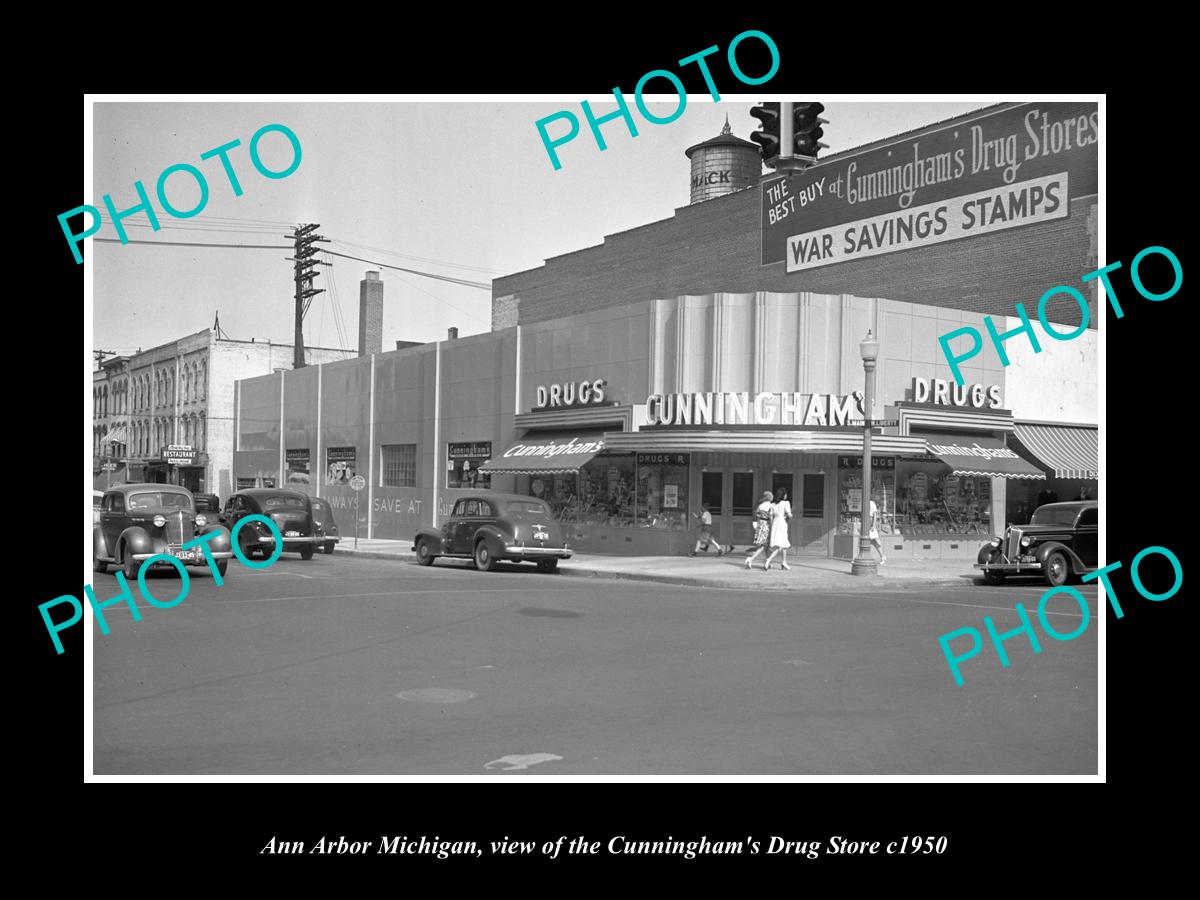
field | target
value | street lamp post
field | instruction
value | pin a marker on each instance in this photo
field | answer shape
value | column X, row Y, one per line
column 864, row 562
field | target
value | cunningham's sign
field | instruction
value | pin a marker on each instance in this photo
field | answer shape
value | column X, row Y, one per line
column 973, row 450
column 786, row 408
column 997, row 170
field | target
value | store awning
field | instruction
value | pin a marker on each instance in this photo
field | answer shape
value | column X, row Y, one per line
column 118, row 435
column 546, row 454
column 982, row 456
column 1068, row 451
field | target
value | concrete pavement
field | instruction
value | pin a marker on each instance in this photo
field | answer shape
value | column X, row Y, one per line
column 362, row 666
column 728, row 571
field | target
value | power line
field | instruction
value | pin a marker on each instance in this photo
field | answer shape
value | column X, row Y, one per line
column 462, row 281
column 428, row 259
column 195, row 244
column 448, row 278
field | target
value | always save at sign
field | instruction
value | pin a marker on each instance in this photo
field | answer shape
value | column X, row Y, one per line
column 1024, row 203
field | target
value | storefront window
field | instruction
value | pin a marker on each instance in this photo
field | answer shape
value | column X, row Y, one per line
column 662, row 493
column 883, row 492
column 463, row 462
column 560, row 491
column 932, row 500
column 600, row 494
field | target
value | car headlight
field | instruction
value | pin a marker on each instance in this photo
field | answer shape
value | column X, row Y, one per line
column 201, row 521
column 1025, row 542
column 994, row 542
column 160, row 521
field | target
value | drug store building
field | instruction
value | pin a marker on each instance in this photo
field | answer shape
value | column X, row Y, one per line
column 628, row 384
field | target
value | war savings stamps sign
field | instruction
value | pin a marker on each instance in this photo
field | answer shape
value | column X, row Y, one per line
column 1015, row 166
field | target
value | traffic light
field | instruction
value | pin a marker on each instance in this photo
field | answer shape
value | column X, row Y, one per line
column 806, row 128
column 768, row 137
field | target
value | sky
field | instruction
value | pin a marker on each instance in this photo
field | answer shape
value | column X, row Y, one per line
column 459, row 189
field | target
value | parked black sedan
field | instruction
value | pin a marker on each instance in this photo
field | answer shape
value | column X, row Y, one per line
column 291, row 512
column 1060, row 540
column 492, row 527
column 326, row 528
column 138, row 521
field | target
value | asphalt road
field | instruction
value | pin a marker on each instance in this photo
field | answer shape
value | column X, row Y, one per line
column 347, row 665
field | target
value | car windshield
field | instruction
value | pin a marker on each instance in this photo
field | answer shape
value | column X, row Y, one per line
column 293, row 502
column 1054, row 515
column 527, row 508
column 160, row 500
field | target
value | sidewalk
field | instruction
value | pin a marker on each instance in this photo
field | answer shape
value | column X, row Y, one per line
column 729, row 571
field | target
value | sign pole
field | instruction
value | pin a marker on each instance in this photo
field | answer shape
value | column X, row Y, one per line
column 357, row 483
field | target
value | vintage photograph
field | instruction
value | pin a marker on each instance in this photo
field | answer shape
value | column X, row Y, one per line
column 717, row 445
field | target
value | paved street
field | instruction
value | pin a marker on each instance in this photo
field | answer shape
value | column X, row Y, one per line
column 345, row 665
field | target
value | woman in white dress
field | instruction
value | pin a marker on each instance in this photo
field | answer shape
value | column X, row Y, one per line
column 781, row 514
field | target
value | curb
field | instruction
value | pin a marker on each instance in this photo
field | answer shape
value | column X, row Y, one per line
column 691, row 581
column 856, row 585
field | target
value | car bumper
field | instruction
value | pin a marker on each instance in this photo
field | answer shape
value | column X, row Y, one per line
column 294, row 541
column 194, row 559
column 521, row 552
column 1010, row 568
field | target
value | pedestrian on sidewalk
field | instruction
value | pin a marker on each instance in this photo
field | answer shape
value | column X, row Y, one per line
column 781, row 514
column 873, row 534
column 762, row 526
column 704, row 537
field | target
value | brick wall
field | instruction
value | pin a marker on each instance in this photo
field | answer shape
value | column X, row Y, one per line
column 714, row 247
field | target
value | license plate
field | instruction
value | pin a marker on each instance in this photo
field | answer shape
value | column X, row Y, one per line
column 184, row 554
column 291, row 534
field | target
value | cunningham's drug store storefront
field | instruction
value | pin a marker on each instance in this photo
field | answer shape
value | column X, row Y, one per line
column 712, row 356
column 627, row 420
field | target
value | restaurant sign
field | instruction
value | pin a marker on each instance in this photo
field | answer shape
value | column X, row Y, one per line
column 179, row 454
column 1000, row 169
column 785, row 408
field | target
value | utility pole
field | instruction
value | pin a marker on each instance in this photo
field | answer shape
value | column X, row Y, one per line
column 100, row 354
column 305, row 272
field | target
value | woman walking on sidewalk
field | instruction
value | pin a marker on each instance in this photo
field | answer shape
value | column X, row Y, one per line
column 781, row 514
column 762, row 527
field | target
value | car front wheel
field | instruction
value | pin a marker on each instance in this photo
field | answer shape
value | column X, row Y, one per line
column 484, row 561
column 306, row 552
column 131, row 565
column 222, row 565
column 993, row 577
column 547, row 565
column 1056, row 568
column 424, row 554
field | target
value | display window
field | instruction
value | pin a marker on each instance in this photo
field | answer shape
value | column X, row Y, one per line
column 463, row 462
column 931, row 499
column 600, row 493
column 883, row 492
column 662, row 491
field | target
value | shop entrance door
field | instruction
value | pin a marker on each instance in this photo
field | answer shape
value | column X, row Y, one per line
column 806, row 493
column 740, row 532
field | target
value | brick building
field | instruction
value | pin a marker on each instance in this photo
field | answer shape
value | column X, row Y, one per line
column 166, row 414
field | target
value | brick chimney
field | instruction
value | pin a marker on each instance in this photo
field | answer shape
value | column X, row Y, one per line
column 370, row 314
column 451, row 333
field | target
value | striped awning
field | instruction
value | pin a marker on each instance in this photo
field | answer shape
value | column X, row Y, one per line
column 982, row 456
column 1068, row 451
column 119, row 435
column 545, row 454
